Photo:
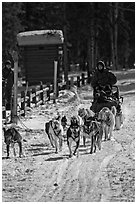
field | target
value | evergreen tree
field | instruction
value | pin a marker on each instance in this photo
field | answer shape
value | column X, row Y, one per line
column 11, row 24
column 89, row 27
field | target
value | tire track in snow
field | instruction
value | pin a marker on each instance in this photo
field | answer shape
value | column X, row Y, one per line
column 55, row 182
column 67, row 177
column 36, row 185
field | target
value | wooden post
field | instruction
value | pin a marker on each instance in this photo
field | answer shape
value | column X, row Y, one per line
column 14, row 116
column 48, row 93
column 3, row 112
column 72, row 81
column 89, row 78
column 29, row 99
column 83, row 78
column 23, row 102
column 34, row 97
column 42, row 93
column 55, row 81
column 78, row 81
column 51, row 88
column 69, row 84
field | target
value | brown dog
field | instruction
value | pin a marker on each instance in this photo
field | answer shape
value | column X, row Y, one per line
column 54, row 130
column 73, row 135
column 12, row 136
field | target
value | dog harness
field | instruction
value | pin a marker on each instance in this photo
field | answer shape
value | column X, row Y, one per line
column 74, row 132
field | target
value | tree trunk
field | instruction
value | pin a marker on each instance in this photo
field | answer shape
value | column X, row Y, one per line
column 112, row 35
column 91, row 44
column 116, row 34
column 65, row 47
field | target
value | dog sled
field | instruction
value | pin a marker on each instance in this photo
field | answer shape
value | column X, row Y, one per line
column 108, row 99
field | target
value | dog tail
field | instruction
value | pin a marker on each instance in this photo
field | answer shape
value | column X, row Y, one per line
column 114, row 111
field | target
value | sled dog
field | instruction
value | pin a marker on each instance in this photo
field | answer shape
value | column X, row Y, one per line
column 96, row 133
column 107, row 118
column 12, row 136
column 54, row 130
column 73, row 135
column 86, row 116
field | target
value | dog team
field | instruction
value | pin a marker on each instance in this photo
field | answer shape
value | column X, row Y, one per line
column 83, row 125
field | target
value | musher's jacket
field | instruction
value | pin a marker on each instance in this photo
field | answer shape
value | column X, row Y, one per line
column 103, row 78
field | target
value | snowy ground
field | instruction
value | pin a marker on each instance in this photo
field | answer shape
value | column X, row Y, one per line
column 43, row 176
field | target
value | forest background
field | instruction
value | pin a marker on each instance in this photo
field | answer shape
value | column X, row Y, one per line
column 92, row 30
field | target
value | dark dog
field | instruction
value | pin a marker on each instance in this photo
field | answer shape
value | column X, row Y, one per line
column 64, row 122
column 12, row 136
column 86, row 130
column 73, row 135
column 54, row 130
column 86, row 116
column 96, row 132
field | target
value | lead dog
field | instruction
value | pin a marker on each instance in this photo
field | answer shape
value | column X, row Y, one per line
column 96, row 133
column 107, row 118
column 73, row 135
column 86, row 116
column 12, row 136
column 54, row 130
